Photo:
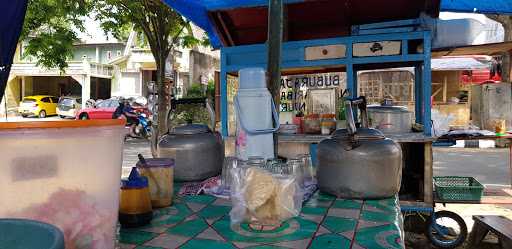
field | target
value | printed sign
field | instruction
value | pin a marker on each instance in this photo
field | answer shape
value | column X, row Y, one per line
column 294, row 89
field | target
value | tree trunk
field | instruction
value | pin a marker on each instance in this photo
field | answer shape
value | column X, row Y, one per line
column 160, row 127
column 163, row 97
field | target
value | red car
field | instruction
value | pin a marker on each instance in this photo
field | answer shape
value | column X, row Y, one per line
column 105, row 108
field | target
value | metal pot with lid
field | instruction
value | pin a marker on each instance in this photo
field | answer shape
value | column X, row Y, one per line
column 359, row 163
column 390, row 119
column 197, row 150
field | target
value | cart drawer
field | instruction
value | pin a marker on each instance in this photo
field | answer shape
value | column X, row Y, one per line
column 325, row 52
column 378, row 48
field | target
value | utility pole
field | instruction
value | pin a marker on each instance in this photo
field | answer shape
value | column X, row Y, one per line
column 274, row 42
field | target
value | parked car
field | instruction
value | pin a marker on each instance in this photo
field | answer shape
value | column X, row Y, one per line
column 105, row 108
column 69, row 106
column 38, row 105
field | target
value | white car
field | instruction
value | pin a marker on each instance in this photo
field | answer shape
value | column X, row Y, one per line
column 69, row 106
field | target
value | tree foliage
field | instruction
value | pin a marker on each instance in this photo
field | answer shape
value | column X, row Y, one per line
column 50, row 29
column 164, row 30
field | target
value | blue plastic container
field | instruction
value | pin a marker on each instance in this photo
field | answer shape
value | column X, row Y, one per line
column 29, row 234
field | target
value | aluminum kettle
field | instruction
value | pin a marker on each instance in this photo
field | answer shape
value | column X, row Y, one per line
column 359, row 162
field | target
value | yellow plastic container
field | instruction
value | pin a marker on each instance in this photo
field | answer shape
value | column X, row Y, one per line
column 500, row 126
column 135, row 205
column 65, row 173
column 160, row 172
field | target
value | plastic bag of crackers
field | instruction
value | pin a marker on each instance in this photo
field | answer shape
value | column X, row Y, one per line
column 260, row 197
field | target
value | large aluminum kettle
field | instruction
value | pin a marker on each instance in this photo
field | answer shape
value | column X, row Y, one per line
column 198, row 150
column 359, row 163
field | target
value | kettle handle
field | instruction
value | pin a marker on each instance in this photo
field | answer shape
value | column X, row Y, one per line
column 360, row 102
column 211, row 112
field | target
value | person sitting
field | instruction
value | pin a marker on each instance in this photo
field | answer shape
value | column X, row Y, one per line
column 124, row 110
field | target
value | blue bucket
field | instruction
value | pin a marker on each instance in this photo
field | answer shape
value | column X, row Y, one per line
column 313, row 152
column 29, row 234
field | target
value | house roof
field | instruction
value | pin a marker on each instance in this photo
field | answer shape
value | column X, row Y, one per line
column 484, row 49
column 457, row 64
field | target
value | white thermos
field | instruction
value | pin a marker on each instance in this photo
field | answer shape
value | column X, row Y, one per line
column 256, row 114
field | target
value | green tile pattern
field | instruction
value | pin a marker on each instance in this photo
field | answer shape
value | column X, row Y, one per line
column 214, row 211
column 135, row 237
column 330, row 241
column 339, row 224
column 380, row 237
column 267, row 247
column 148, row 247
column 189, row 228
column 347, row 204
column 206, row 244
column 298, row 229
column 314, row 210
column 325, row 222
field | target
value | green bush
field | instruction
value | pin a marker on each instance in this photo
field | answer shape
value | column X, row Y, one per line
column 195, row 91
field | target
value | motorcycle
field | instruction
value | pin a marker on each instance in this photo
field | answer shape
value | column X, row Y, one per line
column 143, row 129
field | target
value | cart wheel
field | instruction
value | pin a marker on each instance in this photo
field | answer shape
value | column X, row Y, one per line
column 446, row 229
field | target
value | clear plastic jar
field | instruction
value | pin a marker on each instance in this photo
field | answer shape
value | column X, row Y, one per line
column 328, row 123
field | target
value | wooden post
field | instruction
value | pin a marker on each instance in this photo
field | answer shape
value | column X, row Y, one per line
column 445, row 89
column 428, row 174
column 274, row 42
column 217, row 96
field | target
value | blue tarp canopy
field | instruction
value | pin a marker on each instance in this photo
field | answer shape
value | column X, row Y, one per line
column 227, row 24
column 11, row 22
column 478, row 6
column 244, row 22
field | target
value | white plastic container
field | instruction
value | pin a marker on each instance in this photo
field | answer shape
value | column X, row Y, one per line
column 66, row 173
column 252, row 78
column 256, row 114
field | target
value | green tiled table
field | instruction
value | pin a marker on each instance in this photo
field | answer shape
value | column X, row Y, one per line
column 325, row 222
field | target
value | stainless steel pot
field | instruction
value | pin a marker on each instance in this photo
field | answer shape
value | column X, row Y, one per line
column 359, row 163
column 197, row 150
column 390, row 119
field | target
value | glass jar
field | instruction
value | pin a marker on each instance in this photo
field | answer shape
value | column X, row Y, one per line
column 309, row 171
column 312, row 124
column 227, row 177
column 296, row 167
column 328, row 123
column 256, row 161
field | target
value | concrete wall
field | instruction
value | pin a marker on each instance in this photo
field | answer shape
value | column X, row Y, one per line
column 12, row 96
column 90, row 52
column 29, row 86
column 491, row 102
column 47, row 85
column 201, row 65
column 130, row 84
